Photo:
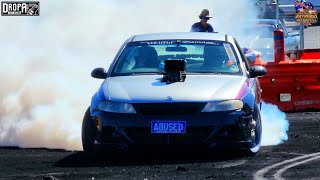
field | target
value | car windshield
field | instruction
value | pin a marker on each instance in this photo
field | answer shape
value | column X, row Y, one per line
column 200, row 56
column 262, row 30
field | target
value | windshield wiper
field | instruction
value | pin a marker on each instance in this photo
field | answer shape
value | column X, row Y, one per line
column 147, row 73
column 205, row 73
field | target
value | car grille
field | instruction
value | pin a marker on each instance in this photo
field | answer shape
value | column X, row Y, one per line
column 169, row 108
column 194, row 135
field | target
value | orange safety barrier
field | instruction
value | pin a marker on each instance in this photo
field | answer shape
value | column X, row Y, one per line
column 308, row 54
column 292, row 85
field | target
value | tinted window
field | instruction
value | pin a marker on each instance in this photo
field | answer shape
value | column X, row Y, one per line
column 200, row 56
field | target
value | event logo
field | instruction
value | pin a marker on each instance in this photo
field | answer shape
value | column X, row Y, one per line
column 20, row 8
column 305, row 13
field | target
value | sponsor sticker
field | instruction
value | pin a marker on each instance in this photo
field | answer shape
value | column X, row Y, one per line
column 305, row 13
column 20, row 8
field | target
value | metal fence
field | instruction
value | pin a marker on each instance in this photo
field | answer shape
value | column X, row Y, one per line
column 312, row 34
column 312, row 37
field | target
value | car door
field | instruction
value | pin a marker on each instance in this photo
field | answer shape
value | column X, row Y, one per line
column 253, row 83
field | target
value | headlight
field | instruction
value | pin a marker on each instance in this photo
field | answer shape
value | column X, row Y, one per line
column 116, row 107
column 227, row 105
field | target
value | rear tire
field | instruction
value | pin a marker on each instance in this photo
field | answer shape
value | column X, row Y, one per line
column 88, row 133
column 255, row 146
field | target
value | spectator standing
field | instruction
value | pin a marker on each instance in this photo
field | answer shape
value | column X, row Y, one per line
column 203, row 25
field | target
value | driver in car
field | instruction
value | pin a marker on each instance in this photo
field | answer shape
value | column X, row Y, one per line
column 146, row 57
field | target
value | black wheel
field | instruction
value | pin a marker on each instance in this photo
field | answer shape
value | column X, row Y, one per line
column 88, row 133
column 257, row 133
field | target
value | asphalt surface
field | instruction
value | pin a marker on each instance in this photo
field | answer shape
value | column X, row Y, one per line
column 296, row 158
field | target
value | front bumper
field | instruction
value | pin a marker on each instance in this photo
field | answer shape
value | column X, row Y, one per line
column 208, row 129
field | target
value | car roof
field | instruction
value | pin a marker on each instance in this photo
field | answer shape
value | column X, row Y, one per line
column 181, row 35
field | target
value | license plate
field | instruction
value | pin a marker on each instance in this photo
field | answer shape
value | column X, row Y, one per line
column 168, row 127
column 286, row 97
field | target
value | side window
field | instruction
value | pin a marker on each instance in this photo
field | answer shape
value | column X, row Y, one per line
column 243, row 57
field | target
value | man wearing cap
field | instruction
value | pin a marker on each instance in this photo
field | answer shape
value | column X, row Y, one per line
column 202, row 26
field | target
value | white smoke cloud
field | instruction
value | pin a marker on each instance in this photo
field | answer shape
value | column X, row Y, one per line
column 46, row 61
column 274, row 125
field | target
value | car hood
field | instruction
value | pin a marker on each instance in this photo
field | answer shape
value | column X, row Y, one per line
column 260, row 43
column 150, row 88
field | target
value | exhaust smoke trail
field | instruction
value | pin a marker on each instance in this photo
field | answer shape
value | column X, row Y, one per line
column 48, row 59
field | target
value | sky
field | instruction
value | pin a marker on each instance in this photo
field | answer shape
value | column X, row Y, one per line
column 46, row 61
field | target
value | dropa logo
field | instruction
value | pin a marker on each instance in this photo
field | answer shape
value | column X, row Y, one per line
column 20, row 8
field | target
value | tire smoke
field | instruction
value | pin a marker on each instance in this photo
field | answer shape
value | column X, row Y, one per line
column 274, row 125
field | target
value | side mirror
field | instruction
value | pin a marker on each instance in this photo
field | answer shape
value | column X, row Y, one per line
column 99, row 73
column 256, row 71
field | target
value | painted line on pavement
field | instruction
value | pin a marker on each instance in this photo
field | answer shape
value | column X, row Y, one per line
column 259, row 175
